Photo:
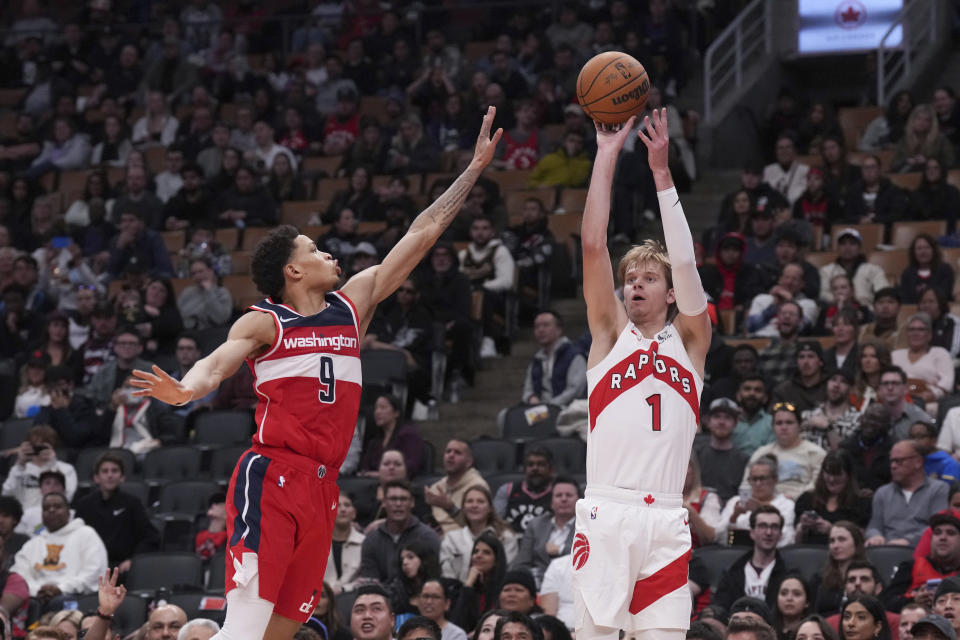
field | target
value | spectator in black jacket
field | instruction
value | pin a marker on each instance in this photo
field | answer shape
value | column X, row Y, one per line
column 246, row 203
column 137, row 246
column 869, row 446
column 935, row 198
column 192, row 205
column 731, row 282
column 72, row 415
column 874, row 198
column 11, row 511
column 119, row 518
column 766, row 527
column 446, row 292
column 817, row 205
column 926, row 270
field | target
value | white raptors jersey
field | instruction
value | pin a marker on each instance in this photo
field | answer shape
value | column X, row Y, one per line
column 644, row 405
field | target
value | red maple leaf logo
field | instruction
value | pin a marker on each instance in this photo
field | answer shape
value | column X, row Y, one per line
column 649, row 499
column 850, row 15
column 581, row 551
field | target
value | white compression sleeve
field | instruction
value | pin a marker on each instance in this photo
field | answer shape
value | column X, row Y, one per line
column 687, row 288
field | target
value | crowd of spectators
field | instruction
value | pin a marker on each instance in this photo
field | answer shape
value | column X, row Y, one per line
column 140, row 161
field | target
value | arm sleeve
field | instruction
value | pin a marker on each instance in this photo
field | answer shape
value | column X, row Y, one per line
column 691, row 298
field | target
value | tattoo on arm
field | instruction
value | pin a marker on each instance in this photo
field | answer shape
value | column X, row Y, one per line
column 442, row 212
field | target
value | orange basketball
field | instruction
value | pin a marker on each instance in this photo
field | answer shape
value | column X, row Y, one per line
column 612, row 86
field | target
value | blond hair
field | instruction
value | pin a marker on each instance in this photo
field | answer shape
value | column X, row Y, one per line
column 649, row 251
column 914, row 143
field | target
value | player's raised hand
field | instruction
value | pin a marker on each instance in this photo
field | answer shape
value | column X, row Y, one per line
column 656, row 139
column 610, row 138
column 486, row 146
column 161, row 386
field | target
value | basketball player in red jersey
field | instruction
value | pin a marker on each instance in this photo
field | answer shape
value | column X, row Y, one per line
column 644, row 378
column 302, row 344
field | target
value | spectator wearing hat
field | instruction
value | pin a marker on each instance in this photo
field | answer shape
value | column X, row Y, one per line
column 192, row 205
column 731, row 282
column 902, row 507
column 886, row 312
column 98, row 347
column 557, row 373
column 933, row 627
column 329, row 89
column 892, row 394
column 868, row 279
column 911, row 581
column 342, row 127
column 807, row 388
column 946, row 601
column 721, row 463
column 33, row 393
column 364, row 257
column 138, row 246
column 568, row 166
column 764, row 308
column 798, row 460
column 873, row 198
column 834, row 419
column 754, row 571
column 518, row 592
column 778, row 359
column 815, row 205
column 869, row 447
column 787, row 175
column 748, row 608
column 761, row 240
column 937, row 463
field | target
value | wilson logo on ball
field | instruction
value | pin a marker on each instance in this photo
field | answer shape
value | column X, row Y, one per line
column 581, row 551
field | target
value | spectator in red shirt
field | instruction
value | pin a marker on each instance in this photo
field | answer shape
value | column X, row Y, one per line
column 214, row 537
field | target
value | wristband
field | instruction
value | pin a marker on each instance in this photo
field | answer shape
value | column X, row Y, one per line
column 103, row 616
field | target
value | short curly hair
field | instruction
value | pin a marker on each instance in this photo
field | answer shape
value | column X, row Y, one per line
column 270, row 257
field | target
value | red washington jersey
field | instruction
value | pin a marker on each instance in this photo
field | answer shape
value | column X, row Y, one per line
column 309, row 380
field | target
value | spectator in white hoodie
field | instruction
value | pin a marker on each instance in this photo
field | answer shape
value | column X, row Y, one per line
column 488, row 264
column 65, row 558
column 35, row 455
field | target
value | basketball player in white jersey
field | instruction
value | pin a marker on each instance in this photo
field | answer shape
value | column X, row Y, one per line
column 644, row 378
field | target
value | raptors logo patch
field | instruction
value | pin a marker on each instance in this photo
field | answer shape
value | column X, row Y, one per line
column 581, row 551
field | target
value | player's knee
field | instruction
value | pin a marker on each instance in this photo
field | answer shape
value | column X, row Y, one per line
column 247, row 614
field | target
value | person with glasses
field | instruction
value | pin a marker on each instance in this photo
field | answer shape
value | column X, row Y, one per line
column 127, row 347
column 798, row 460
column 893, row 393
column 902, row 508
column 737, row 516
column 434, row 604
column 754, row 571
column 835, row 497
column 923, row 361
column 381, row 548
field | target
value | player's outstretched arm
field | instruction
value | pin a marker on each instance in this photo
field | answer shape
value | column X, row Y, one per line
column 373, row 285
column 693, row 322
column 248, row 334
column 605, row 313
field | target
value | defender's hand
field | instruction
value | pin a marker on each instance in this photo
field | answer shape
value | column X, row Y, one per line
column 161, row 386
column 656, row 139
column 486, row 146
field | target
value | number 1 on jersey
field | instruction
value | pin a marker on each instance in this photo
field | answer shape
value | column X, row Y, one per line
column 654, row 402
column 328, row 383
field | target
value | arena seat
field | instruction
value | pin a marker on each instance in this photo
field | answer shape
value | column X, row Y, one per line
column 572, row 201
column 215, row 574
column 808, row 559
column 327, row 187
column 886, row 558
column 510, row 180
column 189, row 497
column 169, row 570
column 953, row 177
column 299, row 212
column 892, row 262
column 201, row 605
column 497, row 480
column 322, row 165
column 171, row 463
column 908, row 181
column 240, row 263
column 715, row 559
column 129, row 616
column 521, row 423
column 221, row 428
column 253, row 235
column 223, row 461
column 515, row 199
column 14, row 432
column 854, row 120
column 492, row 456
column 174, row 241
column 364, row 492
column 903, row 233
column 227, row 238
column 820, row 259
column 88, row 457
column 569, row 453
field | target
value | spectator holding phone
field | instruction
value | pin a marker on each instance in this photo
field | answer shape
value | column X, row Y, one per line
column 35, row 455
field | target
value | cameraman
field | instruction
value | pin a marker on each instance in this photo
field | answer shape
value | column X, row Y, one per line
column 35, row 455
column 73, row 416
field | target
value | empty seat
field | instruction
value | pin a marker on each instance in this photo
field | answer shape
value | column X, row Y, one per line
column 217, row 572
column 886, row 558
column 186, row 496
column 171, row 463
column 497, row 480
column 177, row 531
column 14, row 432
column 808, row 559
column 364, row 492
column 523, row 422
column 223, row 428
column 494, row 456
column 569, row 454
column 170, row 570
column 201, row 605
column 903, row 233
column 138, row 490
column 223, row 461
column 715, row 560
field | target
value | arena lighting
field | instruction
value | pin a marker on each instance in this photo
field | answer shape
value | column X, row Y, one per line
column 845, row 26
